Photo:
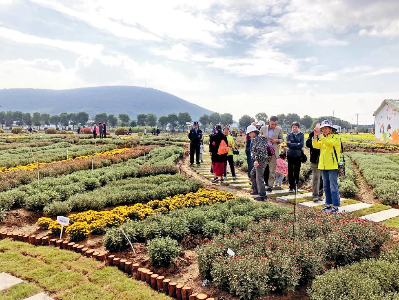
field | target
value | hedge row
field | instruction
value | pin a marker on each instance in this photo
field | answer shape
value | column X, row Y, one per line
column 127, row 191
column 380, row 173
column 368, row 279
column 347, row 186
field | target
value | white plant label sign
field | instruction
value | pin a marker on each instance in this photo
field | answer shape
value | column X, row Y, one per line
column 63, row 221
column 230, row 252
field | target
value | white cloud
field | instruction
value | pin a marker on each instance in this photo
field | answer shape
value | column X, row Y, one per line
column 176, row 52
column 384, row 71
column 310, row 93
column 144, row 20
column 75, row 47
column 332, row 42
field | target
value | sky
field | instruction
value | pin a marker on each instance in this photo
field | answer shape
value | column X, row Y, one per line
column 310, row 57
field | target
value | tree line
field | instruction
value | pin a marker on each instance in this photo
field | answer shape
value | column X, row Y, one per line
column 285, row 121
column 9, row 118
column 174, row 121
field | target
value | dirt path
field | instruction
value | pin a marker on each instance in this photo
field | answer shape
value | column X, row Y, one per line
column 365, row 193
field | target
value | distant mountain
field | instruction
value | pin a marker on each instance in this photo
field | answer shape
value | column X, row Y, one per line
column 131, row 100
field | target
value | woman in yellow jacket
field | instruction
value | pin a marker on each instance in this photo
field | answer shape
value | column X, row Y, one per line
column 330, row 150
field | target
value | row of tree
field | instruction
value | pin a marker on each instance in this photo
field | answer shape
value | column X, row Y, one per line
column 284, row 121
column 173, row 120
column 37, row 119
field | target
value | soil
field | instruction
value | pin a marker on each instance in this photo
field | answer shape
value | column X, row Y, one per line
column 365, row 193
column 371, row 150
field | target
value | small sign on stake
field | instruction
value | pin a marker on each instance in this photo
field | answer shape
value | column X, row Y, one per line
column 230, row 252
column 63, row 221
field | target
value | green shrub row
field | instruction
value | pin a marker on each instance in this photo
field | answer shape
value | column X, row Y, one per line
column 126, row 191
column 380, row 173
column 39, row 194
column 268, row 257
column 221, row 218
column 347, row 186
column 368, row 279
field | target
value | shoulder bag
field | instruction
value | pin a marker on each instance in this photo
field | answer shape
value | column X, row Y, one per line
column 341, row 164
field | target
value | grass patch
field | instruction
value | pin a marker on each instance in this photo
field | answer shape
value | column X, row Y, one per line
column 20, row 291
column 393, row 222
column 370, row 210
column 343, row 203
column 66, row 275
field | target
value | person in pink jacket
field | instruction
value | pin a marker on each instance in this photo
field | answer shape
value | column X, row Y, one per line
column 281, row 170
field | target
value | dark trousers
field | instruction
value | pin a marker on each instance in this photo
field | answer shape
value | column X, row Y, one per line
column 266, row 175
column 231, row 163
column 94, row 134
column 194, row 148
column 250, row 164
column 101, row 134
column 294, row 166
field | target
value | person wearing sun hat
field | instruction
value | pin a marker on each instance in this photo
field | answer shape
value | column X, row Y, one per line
column 260, row 157
column 329, row 144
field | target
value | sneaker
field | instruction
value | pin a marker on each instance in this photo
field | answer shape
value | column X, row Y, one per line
column 269, row 190
column 327, row 208
column 224, row 177
column 234, row 177
column 191, row 165
column 198, row 164
column 334, row 210
column 253, row 193
column 214, row 180
column 320, row 198
column 291, row 191
column 316, row 199
column 260, row 198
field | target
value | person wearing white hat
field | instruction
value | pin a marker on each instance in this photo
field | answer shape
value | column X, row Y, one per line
column 260, row 155
column 329, row 144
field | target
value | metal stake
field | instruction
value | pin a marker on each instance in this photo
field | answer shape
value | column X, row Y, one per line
column 131, row 245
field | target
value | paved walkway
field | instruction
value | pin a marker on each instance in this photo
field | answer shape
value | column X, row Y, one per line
column 7, row 281
column 242, row 182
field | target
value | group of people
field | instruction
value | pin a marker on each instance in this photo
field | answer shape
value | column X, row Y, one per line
column 101, row 130
column 221, row 150
column 268, row 164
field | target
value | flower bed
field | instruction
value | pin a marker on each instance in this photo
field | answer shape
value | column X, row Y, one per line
column 58, row 151
column 15, row 178
column 268, row 258
column 220, row 218
column 96, row 222
column 38, row 195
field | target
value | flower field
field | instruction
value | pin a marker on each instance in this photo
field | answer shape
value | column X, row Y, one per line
column 127, row 189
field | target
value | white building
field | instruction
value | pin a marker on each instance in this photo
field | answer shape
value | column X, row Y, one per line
column 386, row 122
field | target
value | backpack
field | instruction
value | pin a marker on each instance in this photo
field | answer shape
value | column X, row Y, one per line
column 223, row 148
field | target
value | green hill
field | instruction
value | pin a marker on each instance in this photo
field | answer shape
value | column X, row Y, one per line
column 131, row 100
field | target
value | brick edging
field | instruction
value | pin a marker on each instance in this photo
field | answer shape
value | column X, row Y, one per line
column 154, row 280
